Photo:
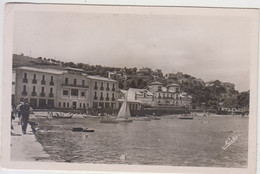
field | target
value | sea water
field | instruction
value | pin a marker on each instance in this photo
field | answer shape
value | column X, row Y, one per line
column 169, row 141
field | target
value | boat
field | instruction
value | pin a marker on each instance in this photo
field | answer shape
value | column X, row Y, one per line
column 186, row 117
column 142, row 119
column 61, row 115
column 108, row 119
column 153, row 117
column 124, row 112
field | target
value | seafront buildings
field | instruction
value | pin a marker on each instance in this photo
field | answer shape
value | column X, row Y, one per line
column 67, row 88
column 72, row 88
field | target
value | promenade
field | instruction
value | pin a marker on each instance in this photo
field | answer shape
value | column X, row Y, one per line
column 25, row 147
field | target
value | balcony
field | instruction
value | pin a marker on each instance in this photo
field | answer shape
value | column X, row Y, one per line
column 107, row 98
column 95, row 97
column 43, row 82
column 51, row 95
column 24, row 93
column 34, row 81
column 25, row 80
column 52, row 83
column 34, row 93
column 101, row 88
column 95, row 87
column 42, row 94
column 73, row 85
column 101, row 98
column 113, row 89
column 113, row 99
column 107, row 89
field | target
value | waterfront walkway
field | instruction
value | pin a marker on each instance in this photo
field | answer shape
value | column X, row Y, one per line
column 25, row 147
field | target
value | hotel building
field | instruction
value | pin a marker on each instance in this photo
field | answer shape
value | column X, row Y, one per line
column 69, row 88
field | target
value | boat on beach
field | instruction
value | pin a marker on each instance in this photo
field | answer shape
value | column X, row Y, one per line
column 186, row 117
column 61, row 115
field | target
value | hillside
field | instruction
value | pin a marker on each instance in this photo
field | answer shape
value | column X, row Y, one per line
column 213, row 95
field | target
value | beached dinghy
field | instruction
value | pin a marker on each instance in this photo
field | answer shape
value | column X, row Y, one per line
column 61, row 115
column 186, row 117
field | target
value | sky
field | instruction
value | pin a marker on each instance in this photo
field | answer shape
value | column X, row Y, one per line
column 205, row 46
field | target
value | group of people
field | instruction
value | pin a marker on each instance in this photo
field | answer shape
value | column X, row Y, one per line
column 22, row 111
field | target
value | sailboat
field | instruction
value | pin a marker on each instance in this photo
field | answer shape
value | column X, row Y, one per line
column 124, row 112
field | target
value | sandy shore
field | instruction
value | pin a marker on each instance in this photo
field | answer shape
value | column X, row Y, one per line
column 25, row 147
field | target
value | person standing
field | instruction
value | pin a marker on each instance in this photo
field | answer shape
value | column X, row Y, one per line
column 18, row 109
column 25, row 110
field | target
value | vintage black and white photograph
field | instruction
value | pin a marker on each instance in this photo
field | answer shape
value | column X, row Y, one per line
column 132, row 85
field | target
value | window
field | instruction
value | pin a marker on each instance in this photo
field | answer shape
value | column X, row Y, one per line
column 95, row 87
column 68, row 105
column 65, row 92
column 83, row 82
column 95, row 97
column 43, row 80
column 82, row 94
column 51, row 90
column 113, row 89
column 24, row 87
column 51, row 82
column 74, row 92
column 34, row 88
column 101, row 87
column 108, row 87
column 101, row 96
column 113, row 96
column 64, row 104
column 42, row 89
column 59, row 104
column 80, row 105
column 25, row 80
column 107, row 94
column 75, row 81
column 66, row 80
column 34, row 81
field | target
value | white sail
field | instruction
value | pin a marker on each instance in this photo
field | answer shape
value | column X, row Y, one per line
column 124, row 111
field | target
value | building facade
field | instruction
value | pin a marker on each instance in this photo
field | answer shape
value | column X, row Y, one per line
column 69, row 88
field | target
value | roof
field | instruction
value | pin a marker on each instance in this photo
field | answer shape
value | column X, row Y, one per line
column 101, row 78
column 51, row 71
column 140, row 91
column 173, row 84
column 74, row 69
column 156, row 83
